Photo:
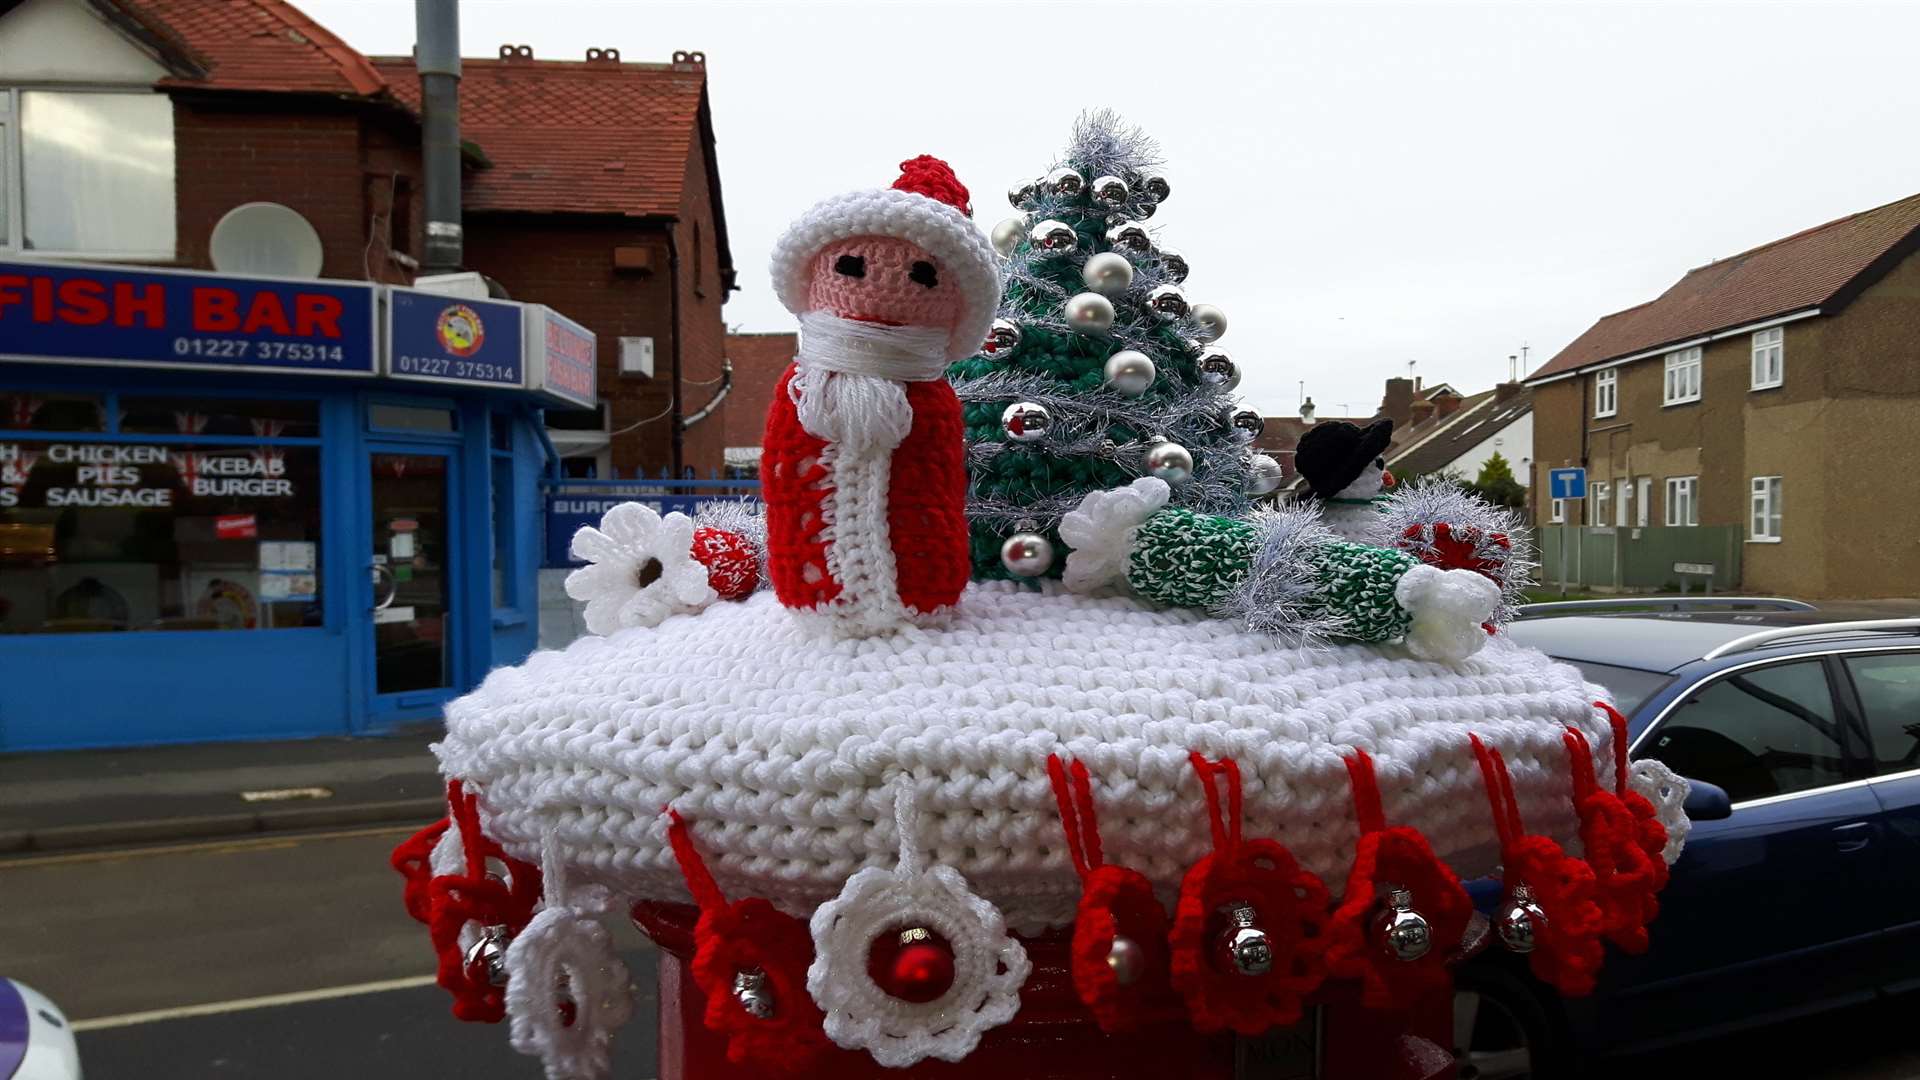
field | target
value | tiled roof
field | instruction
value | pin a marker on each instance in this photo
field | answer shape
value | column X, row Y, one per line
column 1481, row 417
column 1806, row 270
column 597, row 136
column 261, row 45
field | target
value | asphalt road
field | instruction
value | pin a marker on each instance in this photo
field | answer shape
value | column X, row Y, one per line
column 201, row 933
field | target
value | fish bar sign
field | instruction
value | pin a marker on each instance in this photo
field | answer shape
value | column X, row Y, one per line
column 72, row 313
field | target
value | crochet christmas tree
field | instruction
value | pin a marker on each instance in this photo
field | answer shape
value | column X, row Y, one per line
column 1099, row 369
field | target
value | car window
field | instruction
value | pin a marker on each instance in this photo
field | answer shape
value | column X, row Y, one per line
column 1889, row 689
column 1758, row 732
column 1629, row 686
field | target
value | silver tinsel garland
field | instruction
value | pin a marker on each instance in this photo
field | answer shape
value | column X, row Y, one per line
column 1277, row 594
column 1409, row 514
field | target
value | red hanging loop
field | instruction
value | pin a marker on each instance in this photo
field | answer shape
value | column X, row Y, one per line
column 741, row 938
column 1567, row 954
column 1385, row 858
column 477, row 898
column 414, row 861
column 1626, row 880
column 1651, row 834
column 1119, row 951
column 1289, row 906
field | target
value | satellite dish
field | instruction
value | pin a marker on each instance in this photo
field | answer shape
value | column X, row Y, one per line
column 266, row 238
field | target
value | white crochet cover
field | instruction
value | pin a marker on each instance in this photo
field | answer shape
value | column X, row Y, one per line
column 778, row 745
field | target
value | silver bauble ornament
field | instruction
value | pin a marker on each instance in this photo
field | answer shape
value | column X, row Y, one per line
column 1024, row 421
column 1404, row 932
column 1026, row 554
column 1167, row 302
column 1218, row 369
column 1247, row 422
column 1264, row 476
column 1109, row 192
column 1019, row 195
column 1213, row 321
column 1003, row 336
column 1175, row 265
column 1129, row 372
column 1107, row 273
column 1007, row 233
column 1053, row 237
column 750, row 989
column 487, row 957
column 1245, row 947
column 1155, row 187
column 1130, row 236
column 1170, row 462
column 1089, row 313
column 1126, row 959
column 1145, row 210
column 1520, row 920
column 1065, row 182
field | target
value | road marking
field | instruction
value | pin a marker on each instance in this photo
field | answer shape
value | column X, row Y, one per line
column 254, row 842
column 285, row 793
column 298, row 997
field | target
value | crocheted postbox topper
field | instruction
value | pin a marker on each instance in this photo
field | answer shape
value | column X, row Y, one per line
column 863, row 461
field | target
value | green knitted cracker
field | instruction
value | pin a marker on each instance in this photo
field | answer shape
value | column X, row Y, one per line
column 1356, row 586
column 1184, row 559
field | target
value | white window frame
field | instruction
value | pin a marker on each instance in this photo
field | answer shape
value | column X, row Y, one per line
column 1599, row 503
column 13, row 181
column 1557, row 513
column 1690, row 487
column 1681, row 377
column 1622, row 500
column 1606, row 393
column 1764, row 521
column 1642, row 500
column 1769, row 357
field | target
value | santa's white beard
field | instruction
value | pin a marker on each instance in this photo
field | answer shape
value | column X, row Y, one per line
column 848, row 385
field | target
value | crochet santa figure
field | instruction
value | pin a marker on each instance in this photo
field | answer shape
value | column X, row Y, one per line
column 863, row 463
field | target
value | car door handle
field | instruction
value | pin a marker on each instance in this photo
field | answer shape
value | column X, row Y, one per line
column 1853, row 837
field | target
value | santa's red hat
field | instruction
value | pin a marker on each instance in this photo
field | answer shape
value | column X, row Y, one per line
column 926, row 207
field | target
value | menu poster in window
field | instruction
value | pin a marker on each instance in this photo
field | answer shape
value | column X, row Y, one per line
column 78, row 314
column 433, row 337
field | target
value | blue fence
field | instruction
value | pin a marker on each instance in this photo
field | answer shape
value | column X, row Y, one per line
column 573, row 503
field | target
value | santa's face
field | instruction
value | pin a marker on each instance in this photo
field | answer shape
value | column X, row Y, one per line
column 880, row 279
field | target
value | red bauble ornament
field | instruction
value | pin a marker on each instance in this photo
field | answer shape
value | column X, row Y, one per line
column 733, row 566
column 914, row 964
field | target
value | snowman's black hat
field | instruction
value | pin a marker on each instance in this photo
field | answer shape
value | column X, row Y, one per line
column 1334, row 453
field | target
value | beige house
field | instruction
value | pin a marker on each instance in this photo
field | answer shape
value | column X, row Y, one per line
column 1776, row 392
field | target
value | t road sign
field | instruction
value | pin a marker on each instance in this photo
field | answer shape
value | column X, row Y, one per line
column 1567, row 483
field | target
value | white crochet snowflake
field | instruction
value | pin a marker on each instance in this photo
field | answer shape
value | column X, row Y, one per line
column 1101, row 531
column 1667, row 791
column 640, row 569
column 565, row 960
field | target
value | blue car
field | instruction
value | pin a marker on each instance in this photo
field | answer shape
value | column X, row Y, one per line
column 1800, row 730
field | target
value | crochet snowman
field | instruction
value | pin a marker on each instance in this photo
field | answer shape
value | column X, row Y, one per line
column 1346, row 475
column 864, row 467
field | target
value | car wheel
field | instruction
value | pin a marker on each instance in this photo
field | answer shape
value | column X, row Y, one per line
column 1501, row 1030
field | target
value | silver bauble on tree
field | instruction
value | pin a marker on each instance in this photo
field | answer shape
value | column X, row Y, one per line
column 1019, row 195
column 1129, row 372
column 1175, row 264
column 1003, row 336
column 1264, row 476
column 1166, row 302
column 1053, row 237
column 1089, row 313
column 1218, row 369
column 1130, row 236
column 1170, row 462
column 1520, row 920
column 1156, row 187
column 1007, row 234
column 1025, row 421
column 1247, row 422
column 1244, row 948
column 1107, row 273
column 1404, row 932
column 1108, row 192
column 1213, row 321
column 1026, row 554
column 1065, row 182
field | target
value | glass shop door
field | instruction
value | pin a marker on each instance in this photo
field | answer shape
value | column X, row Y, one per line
column 412, row 571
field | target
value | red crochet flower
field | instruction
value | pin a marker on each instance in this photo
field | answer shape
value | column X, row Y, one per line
column 413, row 859
column 1388, row 858
column 1626, row 879
column 1455, row 549
column 1115, row 902
column 1567, row 952
column 733, row 566
column 1289, row 905
column 1650, row 833
column 453, row 901
column 745, row 936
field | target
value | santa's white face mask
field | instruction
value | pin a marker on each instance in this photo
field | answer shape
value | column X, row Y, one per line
column 847, row 383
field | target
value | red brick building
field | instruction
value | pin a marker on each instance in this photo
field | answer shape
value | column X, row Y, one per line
column 758, row 360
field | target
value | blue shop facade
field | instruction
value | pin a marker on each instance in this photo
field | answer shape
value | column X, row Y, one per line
column 255, row 508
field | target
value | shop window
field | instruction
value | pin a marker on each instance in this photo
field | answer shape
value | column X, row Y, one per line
column 176, row 535
column 94, row 171
column 503, row 576
column 384, row 416
column 27, row 410
column 219, row 416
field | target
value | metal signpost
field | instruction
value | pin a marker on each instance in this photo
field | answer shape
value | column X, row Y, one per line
column 1566, row 484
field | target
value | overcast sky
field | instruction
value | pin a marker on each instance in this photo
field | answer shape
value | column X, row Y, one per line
column 1357, row 186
